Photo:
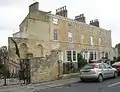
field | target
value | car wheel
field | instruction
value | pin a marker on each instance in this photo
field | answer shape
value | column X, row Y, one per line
column 83, row 80
column 115, row 74
column 100, row 78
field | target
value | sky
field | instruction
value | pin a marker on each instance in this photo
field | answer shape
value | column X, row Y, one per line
column 12, row 12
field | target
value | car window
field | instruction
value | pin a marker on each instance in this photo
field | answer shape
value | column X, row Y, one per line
column 106, row 65
column 90, row 66
column 101, row 66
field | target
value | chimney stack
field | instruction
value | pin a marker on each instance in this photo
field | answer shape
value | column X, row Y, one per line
column 34, row 7
column 62, row 11
column 80, row 18
column 95, row 23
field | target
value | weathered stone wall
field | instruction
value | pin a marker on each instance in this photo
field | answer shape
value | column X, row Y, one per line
column 13, row 58
column 44, row 69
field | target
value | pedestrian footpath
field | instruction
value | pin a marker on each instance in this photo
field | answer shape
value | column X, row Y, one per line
column 40, row 86
column 52, row 84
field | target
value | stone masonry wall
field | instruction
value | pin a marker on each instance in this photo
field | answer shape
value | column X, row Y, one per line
column 44, row 69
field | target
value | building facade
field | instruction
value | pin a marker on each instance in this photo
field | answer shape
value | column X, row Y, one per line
column 41, row 32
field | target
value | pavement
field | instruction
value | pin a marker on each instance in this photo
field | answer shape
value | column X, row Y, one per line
column 47, row 85
column 10, row 81
column 40, row 86
column 69, row 85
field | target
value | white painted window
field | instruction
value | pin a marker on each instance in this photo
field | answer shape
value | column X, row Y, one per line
column 91, row 40
column 91, row 56
column 71, row 55
column 74, row 55
column 91, row 32
column 82, row 38
column 55, row 21
column 69, row 34
column 70, row 38
column 55, row 33
column 100, row 41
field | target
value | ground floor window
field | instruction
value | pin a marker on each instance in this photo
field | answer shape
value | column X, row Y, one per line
column 69, row 58
column 106, row 55
column 71, row 55
column 74, row 55
column 95, row 56
column 91, row 55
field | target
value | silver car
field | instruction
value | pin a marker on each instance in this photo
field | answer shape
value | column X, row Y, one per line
column 97, row 71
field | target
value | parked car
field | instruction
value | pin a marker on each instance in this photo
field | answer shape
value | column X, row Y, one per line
column 117, row 67
column 97, row 71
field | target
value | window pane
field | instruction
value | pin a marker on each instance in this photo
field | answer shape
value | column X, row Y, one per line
column 90, row 66
column 55, row 21
column 101, row 66
column 95, row 55
column 106, row 55
column 91, row 55
column 82, row 38
column 91, row 40
column 106, row 65
column 69, row 56
column 70, row 39
column 69, row 34
column 55, row 34
column 74, row 55
column 100, row 41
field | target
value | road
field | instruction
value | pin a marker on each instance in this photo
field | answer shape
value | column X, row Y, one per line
column 109, row 85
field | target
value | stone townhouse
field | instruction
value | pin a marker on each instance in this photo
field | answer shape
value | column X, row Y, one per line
column 40, row 32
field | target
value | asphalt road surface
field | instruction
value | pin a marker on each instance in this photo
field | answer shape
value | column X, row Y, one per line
column 109, row 85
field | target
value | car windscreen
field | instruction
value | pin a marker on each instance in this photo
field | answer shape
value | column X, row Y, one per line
column 90, row 66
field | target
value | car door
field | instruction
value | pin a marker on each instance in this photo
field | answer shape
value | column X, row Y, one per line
column 104, row 70
column 110, row 70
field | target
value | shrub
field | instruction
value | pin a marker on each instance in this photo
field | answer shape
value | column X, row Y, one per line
column 81, row 61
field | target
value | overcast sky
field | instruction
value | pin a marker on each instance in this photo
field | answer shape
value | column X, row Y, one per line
column 12, row 12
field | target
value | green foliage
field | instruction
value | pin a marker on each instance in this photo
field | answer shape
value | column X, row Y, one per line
column 118, row 58
column 81, row 61
column 115, row 60
column 118, row 47
column 1, row 66
column 69, row 67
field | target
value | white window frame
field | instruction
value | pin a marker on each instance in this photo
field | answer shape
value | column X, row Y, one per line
column 70, row 37
column 99, row 32
column 82, row 38
column 55, row 35
column 100, row 41
column 67, row 55
column 71, row 55
column 75, row 55
column 92, row 32
column 55, row 20
column 91, row 40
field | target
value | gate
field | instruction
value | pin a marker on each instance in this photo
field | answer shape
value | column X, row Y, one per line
column 24, row 72
column 20, row 77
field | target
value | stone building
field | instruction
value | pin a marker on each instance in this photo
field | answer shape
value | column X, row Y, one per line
column 41, row 32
